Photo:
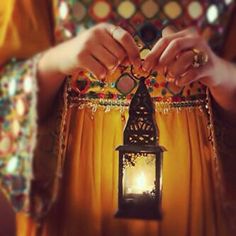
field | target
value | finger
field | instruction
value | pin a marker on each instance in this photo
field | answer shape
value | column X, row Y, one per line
column 191, row 76
column 182, row 64
column 105, row 57
column 168, row 30
column 158, row 49
column 113, row 47
column 91, row 64
column 127, row 42
column 177, row 46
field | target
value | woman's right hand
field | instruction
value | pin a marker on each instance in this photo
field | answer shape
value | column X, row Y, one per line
column 99, row 50
column 94, row 50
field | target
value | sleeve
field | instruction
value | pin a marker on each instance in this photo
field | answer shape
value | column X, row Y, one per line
column 31, row 154
column 28, row 169
column 226, row 146
column 229, row 49
column 18, row 90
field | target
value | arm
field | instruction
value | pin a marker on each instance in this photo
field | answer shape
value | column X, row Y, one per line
column 229, row 54
column 224, row 93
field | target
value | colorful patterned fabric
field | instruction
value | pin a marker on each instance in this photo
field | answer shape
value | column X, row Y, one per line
column 18, row 130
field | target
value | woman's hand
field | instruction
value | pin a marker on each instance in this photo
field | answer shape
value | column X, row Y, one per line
column 94, row 50
column 175, row 52
column 99, row 50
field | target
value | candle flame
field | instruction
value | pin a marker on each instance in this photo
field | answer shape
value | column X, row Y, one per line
column 141, row 181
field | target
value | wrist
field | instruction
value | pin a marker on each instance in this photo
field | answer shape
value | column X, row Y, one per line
column 224, row 90
column 223, row 75
column 47, row 66
column 50, row 79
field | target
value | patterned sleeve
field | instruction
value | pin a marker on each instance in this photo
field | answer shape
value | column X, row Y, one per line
column 17, row 129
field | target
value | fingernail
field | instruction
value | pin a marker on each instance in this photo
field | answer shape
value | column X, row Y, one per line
column 179, row 83
column 103, row 76
column 146, row 67
column 162, row 61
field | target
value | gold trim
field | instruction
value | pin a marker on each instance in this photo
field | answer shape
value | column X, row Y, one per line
column 109, row 104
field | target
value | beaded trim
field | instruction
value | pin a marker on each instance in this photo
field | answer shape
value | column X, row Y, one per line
column 85, row 85
column 161, row 104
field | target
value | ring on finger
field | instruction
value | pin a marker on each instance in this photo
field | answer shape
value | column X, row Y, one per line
column 116, row 32
column 199, row 59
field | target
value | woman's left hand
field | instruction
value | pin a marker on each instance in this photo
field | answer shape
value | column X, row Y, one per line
column 176, row 52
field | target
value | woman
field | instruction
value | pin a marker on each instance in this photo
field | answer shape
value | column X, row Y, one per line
column 100, row 59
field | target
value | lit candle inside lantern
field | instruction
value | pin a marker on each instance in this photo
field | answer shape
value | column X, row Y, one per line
column 141, row 183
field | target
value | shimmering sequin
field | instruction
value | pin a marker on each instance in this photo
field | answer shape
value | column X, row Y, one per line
column 79, row 11
column 227, row 2
column 126, row 9
column 12, row 165
column 27, row 84
column 173, row 10
column 101, row 10
column 15, row 127
column 150, row 8
column 195, row 10
column 5, row 144
column 212, row 13
column 12, row 87
column 63, row 10
column 20, row 107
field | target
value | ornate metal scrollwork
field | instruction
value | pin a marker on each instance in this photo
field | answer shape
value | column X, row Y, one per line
column 141, row 128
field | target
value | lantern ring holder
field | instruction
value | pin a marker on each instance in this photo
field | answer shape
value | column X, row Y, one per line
column 142, row 77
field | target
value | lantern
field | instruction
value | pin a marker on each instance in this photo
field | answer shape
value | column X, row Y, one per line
column 140, row 161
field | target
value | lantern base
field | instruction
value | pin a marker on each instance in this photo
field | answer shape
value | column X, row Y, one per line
column 141, row 214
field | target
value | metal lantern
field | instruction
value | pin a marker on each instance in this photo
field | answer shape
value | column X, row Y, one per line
column 140, row 161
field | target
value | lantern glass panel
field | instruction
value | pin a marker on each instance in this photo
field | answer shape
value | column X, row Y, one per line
column 139, row 176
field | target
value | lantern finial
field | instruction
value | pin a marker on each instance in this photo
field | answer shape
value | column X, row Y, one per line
column 141, row 128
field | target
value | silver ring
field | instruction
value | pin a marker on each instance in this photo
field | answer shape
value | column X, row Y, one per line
column 117, row 32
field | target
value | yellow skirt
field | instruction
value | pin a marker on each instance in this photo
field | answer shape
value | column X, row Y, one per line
column 89, row 196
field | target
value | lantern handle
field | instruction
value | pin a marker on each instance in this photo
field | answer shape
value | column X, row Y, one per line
column 142, row 77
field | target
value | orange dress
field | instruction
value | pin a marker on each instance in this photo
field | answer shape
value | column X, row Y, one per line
column 93, row 123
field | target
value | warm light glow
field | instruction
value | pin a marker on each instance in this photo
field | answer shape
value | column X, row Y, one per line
column 140, row 178
column 141, row 182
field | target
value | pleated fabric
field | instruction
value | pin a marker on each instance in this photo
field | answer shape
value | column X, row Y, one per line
column 89, row 195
